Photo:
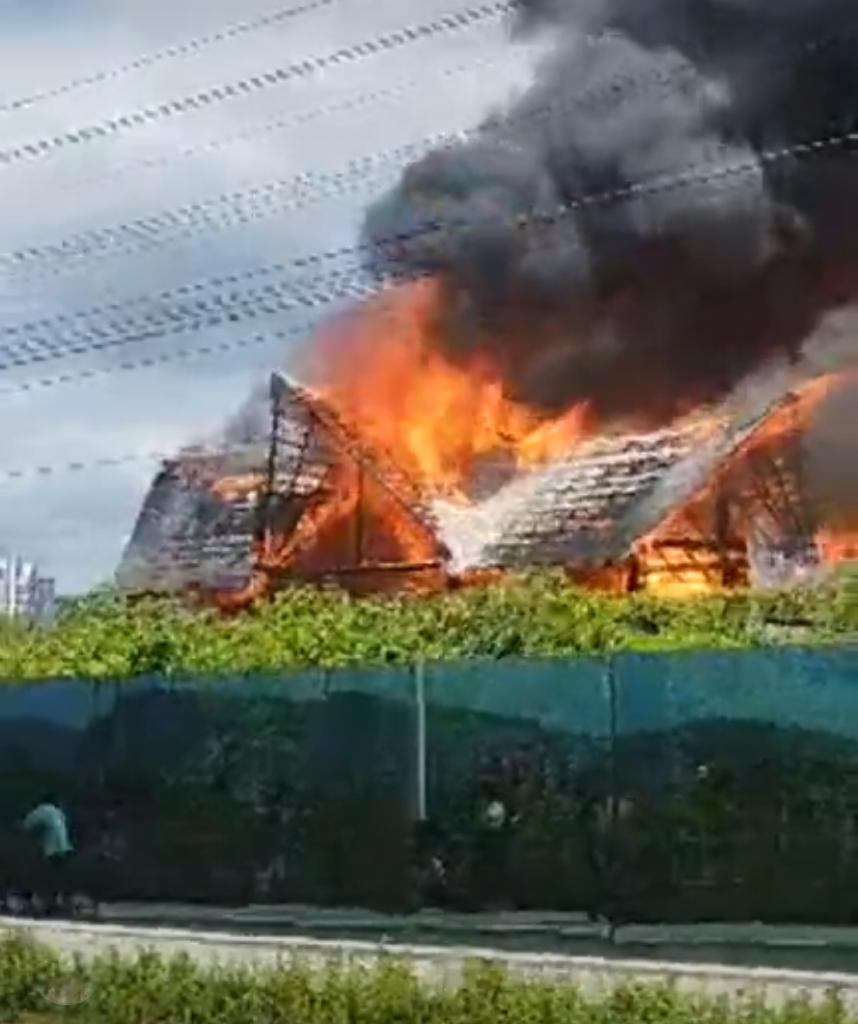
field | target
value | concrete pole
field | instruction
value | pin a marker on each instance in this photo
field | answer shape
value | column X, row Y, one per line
column 420, row 701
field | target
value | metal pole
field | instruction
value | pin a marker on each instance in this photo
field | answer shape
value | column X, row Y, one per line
column 420, row 700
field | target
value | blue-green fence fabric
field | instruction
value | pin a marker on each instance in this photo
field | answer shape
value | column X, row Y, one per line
column 286, row 789
column 738, row 775
column 535, row 737
column 647, row 787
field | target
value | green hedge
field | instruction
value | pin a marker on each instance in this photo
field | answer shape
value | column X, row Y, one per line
column 151, row 990
column 105, row 636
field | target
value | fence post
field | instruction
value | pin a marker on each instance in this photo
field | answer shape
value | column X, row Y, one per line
column 613, row 895
column 611, row 679
column 420, row 701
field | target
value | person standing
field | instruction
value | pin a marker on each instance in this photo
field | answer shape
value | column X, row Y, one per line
column 49, row 822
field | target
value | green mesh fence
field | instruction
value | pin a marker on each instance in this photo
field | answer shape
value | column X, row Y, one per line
column 695, row 786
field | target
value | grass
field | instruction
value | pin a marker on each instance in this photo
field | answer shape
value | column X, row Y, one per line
column 531, row 616
column 35, row 983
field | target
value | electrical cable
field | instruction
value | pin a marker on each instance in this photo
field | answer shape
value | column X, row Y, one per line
column 266, row 199
column 231, row 209
column 280, row 123
column 206, row 98
column 195, row 309
column 175, row 355
column 213, row 313
column 80, row 252
column 189, row 48
column 46, row 471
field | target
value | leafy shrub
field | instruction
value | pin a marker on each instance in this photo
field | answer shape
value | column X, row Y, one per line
column 539, row 615
column 152, row 990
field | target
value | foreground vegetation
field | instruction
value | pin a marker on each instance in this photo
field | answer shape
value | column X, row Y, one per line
column 107, row 637
column 36, row 986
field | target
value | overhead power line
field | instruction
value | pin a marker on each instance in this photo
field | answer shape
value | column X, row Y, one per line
column 358, row 101
column 79, row 251
column 208, row 312
column 774, row 53
column 281, row 196
column 189, row 48
column 49, row 470
column 8, row 476
column 175, row 355
column 375, row 46
column 215, row 311
column 640, row 190
column 194, row 306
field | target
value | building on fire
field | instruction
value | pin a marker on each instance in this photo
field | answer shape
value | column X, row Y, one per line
column 711, row 503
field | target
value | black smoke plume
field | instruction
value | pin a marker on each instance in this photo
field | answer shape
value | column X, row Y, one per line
column 710, row 250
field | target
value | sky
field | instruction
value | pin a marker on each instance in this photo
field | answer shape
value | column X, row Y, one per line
column 75, row 523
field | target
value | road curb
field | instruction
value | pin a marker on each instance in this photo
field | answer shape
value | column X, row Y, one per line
column 595, row 976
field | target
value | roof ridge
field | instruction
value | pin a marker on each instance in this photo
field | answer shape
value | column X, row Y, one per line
column 381, row 466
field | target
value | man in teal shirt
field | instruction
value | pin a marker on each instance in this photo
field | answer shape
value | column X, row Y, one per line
column 48, row 820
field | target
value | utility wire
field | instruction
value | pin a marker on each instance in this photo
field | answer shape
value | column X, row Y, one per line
column 210, row 313
column 189, row 48
column 193, row 307
column 280, row 123
column 48, row 470
column 284, row 195
column 80, row 252
column 175, row 355
column 639, row 190
column 250, row 85
column 773, row 53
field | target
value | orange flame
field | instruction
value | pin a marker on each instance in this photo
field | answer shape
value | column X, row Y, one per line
column 683, row 556
column 387, row 372
column 837, row 546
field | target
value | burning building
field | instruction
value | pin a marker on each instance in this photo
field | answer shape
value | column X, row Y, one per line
column 306, row 502
column 606, row 325
column 714, row 502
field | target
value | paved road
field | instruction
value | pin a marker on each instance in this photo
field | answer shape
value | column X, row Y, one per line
column 798, row 947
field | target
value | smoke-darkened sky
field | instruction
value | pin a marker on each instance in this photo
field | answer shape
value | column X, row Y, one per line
column 625, row 233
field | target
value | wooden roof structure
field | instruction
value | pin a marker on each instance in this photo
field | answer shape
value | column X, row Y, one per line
column 207, row 512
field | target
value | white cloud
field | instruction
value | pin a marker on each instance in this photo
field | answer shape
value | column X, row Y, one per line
column 75, row 523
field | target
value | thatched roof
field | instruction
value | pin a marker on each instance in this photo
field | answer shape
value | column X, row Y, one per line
column 585, row 510
column 196, row 529
column 589, row 508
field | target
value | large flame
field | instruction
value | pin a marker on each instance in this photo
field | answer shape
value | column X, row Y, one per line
column 685, row 557
column 444, row 421
column 386, row 370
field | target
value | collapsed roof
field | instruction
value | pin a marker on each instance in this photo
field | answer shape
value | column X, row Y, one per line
column 206, row 509
column 204, row 512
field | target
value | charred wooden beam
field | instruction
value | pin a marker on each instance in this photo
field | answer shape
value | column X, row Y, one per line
column 366, row 567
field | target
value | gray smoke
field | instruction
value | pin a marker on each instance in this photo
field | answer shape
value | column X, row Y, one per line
column 658, row 299
column 829, row 449
column 252, row 423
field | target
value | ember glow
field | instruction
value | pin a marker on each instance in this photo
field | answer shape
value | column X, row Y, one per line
column 767, row 503
column 386, row 370
column 838, row 545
